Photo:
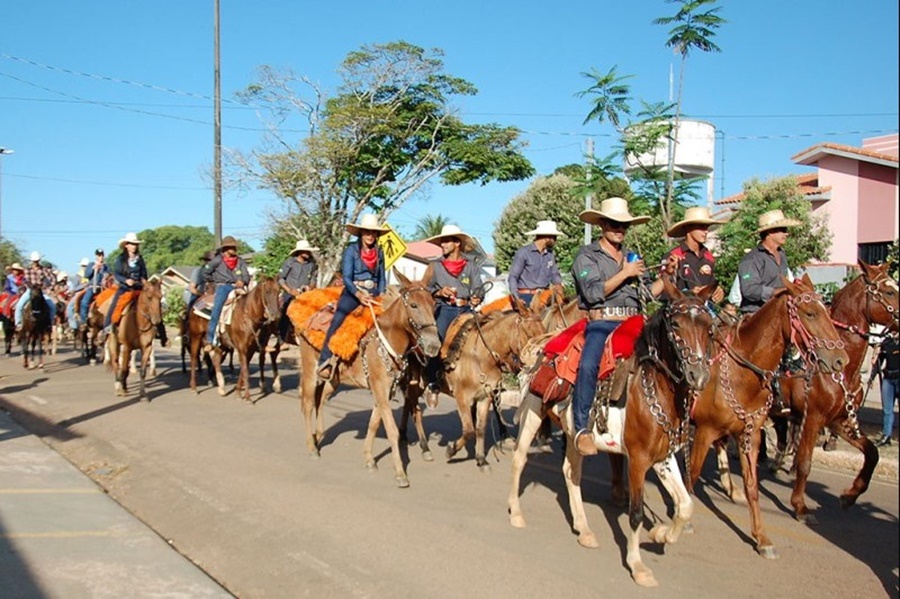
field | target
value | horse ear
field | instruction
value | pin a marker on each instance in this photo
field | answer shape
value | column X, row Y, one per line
column 671, row 290
column 807, row 281
column 867, row 270
column 707, row 291
column 518, row 305
column 403, row 280
column 789, row 285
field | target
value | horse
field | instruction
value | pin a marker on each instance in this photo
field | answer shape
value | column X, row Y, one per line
column 739, row 396
column 252, row 312
column 832, row 401
column 482, row 351
column 193, row 335
column 406, row 324
column 36, row 326
column 558, row 316
column 667, row 371
column 135, row 331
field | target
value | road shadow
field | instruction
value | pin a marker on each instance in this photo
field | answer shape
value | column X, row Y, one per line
column 35, row 423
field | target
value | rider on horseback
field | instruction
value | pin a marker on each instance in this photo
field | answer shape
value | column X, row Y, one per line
column 95, row 274
column 36, row 275
column 13, row 285
column 130, row 272
column 606, row 278
column 227, row 271
column 534, row 267
column 455, row 282
column 695, row 263
column 298, row 274
column 364, row 278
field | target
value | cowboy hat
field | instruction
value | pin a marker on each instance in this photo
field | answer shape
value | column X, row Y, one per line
column 208, row 255
column 61, row 276
column 775, row 219
column 129, row 238
column 83, row 262
column 546, row 228
column 35, row 256
column 614, row 209
column 695, row 215
column 468, row 242
column 16, row 266
column 303, row 246
column 228, row 242
column 367, row 222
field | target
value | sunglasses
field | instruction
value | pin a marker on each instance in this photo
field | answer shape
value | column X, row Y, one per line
column 611, row 224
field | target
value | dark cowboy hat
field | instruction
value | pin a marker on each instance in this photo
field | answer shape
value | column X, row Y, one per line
column 228, row 242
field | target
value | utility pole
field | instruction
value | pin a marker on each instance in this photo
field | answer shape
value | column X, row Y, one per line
column 589, row 151
column 217, row 135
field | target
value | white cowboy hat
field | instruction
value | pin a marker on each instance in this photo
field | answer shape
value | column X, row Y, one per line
column 303, row 246
column 775, row 219
column 695, row 215
column 546, row 228
column 367, row 222
column 35, row 256
column 61, row 276
column 614, row 209
column 16, row 266
column 83, row 262
column 468, row 242
column 129, row 238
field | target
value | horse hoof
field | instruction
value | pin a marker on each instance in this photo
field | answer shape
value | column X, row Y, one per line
column 371, row 466
column 517, row 521
column 485, row 468
column 426, row 456
column 808, row 519
column 768, row 552
column 644, row 577
column 402, row 481
column 588, row 540
column 848, row 501
column 688, row 528
column 451, row 451
column 145, row 399
column 659, row 533
column 221, row 392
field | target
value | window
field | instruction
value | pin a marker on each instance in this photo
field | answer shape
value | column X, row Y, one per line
column 874, row 253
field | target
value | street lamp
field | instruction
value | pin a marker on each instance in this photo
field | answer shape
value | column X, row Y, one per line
column 3, row 152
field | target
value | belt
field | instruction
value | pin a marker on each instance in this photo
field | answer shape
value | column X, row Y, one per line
column 612, row 313
column 367, row 284
column 532, row 291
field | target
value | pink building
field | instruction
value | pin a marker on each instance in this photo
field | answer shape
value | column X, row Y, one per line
column 856, row 189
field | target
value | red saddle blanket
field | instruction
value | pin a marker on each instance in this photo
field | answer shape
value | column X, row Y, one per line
column 565, row 348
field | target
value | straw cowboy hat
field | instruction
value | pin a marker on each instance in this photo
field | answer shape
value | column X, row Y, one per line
column 367, row 222
column 228, row 242
column 546, row 228
column 83, row 262
column 468, row 242
column 129, row 238
column 775, row 219
column 695, row 215
column 61, row 276
column 614, row 209
column 35, row 256
column 16, row 266
column 303, row 246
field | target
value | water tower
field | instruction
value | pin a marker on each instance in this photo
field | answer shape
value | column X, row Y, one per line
column 695, row 153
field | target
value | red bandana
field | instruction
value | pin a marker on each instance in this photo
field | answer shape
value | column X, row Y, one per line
column 454, row 267
column 230, row 261
column 369, row 257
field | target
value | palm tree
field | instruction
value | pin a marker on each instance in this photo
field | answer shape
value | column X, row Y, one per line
column 430, row 225
column 693, row 30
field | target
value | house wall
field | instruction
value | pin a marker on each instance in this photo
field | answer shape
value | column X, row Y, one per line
column 843, row 208
column 878, row 203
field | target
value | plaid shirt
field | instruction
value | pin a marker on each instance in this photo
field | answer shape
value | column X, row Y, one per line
column 39, row 275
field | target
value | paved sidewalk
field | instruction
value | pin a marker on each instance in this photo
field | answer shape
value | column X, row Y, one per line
column 61, row 536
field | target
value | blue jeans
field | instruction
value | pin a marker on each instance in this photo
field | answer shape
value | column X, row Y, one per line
column 444, row 315
column 595, row 336
column 222, row 291
column 51, row 305
column 85, row 305
column 888, row 397
column 70, row 315
column 347, row 303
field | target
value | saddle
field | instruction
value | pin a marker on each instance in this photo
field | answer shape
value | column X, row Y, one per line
column 104, row 299
column 312, row 312
column 555, row 375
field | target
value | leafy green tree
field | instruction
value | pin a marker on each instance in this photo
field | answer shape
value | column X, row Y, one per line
column 809, row 241
column 695, row 25
column 894, row 259
column 430, row 225
column 10, row 253
column 388, row 131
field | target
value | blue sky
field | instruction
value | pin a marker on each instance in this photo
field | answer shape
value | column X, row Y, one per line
column 107, row 103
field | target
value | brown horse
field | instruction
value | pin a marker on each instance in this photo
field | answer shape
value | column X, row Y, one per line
column 558, row 316
column 406, row 324
column 36, row 326
column 820, row 400
column 486, row 348
column 135, row 331
column 253, row 313
column 739, row 396
column 669, row 368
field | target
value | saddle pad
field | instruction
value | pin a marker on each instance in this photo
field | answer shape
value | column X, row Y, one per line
column 345, row 341
column 558, row 344
column 620, row 344
column 498, row 305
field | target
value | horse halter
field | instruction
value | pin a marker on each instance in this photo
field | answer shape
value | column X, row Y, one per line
column 874, row 293
column 685, row 355
column 807, row 343
column 416, row 327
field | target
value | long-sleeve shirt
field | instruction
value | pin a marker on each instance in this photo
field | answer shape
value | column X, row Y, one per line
column 296, row 274
column 216, row 271
column 13, row 283
column 354, row 270
column 39, row 275
column 134, row 269
column 532, row 268
column 468, row 284
column 95, row 275
column 760, row 275
column 592, row 267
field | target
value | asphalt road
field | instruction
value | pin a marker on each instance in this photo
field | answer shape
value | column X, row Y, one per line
column 231, row 487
